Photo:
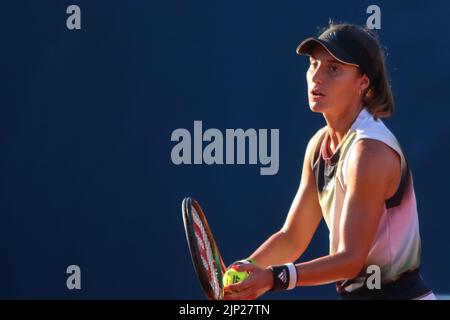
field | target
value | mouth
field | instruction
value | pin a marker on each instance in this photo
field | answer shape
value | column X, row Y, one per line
column 315, row 95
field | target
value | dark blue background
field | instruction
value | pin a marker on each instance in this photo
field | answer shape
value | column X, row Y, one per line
column 86, row 117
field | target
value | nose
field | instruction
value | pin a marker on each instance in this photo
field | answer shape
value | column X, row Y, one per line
column 316, row 75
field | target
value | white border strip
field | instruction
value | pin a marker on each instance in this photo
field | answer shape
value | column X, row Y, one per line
column 292, row 276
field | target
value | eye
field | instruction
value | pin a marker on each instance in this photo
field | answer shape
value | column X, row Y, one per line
column 313, row 64
column 334, row 68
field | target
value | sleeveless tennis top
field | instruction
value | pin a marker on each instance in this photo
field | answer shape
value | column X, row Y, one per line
column 396, row 247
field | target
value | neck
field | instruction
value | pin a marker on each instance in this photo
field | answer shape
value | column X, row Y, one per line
column 339, row 124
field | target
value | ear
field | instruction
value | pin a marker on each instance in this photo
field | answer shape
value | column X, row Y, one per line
column 364, row 83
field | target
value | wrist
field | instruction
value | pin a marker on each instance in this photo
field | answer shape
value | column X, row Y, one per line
column 270, row 279
column 284, row 277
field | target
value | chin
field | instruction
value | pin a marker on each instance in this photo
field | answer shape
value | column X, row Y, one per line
column 317, row 106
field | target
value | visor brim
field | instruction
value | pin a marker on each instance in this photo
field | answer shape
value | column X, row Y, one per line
column 307, row 46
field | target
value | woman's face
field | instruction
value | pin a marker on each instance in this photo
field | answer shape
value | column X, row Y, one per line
column 333, row 87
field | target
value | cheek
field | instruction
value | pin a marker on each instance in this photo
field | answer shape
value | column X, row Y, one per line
column 344, row 87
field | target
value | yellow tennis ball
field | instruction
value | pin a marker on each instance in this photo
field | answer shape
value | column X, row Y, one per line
column 232, row 276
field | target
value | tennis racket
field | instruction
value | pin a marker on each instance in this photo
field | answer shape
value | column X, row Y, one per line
column 208, row 263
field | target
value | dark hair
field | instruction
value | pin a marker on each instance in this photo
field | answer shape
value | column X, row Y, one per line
column 378, row 98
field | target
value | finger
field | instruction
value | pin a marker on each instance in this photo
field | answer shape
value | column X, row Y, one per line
column 244, row 267
column 250, row 281
column 228, row 289
column 246, row 294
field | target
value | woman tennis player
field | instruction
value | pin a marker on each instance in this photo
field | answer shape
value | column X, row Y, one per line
column 355, row 176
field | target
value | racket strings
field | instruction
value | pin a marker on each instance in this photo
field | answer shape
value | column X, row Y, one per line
column 205, row 249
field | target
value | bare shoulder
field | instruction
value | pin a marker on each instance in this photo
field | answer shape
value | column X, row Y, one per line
column 312, row 144
column 375, row 152
column 373, row 160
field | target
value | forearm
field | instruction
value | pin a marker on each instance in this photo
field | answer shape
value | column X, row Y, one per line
column 277, row 249
column 328, row 269
column 282, row 277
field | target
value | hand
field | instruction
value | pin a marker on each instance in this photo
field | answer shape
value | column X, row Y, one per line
column 258, row 282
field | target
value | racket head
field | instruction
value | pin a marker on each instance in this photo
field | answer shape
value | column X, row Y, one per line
column 206, row 258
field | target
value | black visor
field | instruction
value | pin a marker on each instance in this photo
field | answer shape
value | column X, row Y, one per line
column 345, row 45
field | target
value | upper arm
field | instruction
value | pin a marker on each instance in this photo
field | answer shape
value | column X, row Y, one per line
column 373, row 166
column 305, row 213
